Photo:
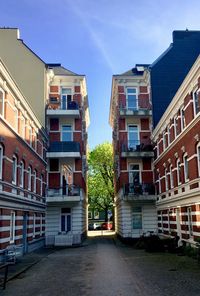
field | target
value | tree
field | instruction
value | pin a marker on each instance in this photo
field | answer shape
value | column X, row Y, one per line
column 100, row 178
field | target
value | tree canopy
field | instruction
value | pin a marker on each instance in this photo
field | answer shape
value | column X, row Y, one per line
column 100, row 178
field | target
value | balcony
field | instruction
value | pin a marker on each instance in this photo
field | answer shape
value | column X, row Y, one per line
column 141, row 111
column 64, row 149
column 55, row 108
column 137, row 149
column 141, row 191
column 70, row 193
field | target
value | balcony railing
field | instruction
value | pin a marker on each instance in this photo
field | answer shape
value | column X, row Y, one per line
column 139, row 189
column 68, row 190
column 68, row 146
column 56, row 105
column 136, row 146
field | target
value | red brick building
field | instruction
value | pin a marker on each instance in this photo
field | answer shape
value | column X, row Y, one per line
column 131, row 121
column 177, row 163
column 67, row 118
column 23, row 143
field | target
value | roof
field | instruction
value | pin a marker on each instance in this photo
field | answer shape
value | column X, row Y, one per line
column 171, row 68
column 138, row 70
column 60, row 70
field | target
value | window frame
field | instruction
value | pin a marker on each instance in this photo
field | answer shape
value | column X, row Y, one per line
column 21, row 175
column 171, row 175
column 178, row 165
column 183, row 122
column 198, row 158
column 194, row 93
column 67, row 132
column 132, row 94
column 29, row 178
column 14, row 170
column 166, row 180
column 186, row 177
column 34, row 181
column 34, row 225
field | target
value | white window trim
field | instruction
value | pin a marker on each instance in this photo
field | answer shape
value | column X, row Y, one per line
column 168, row 135
column 41, row 184
column 197, row 90
column 178, row 172
column 190, row 225
column 198, row 158
column 183, row 122
column 21, row 181
column 136, row 94
column 72, row 95
column 34, row 181
column 41, row 219
column 12, row 227
column 184, row 157
column 66, row 132
column 171, row 177
column 14, row 177
column 129, row 171
column 138, row 132
column 29, row 178
column 166, row 180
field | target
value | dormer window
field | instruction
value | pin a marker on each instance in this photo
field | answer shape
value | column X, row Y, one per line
column 131, row 97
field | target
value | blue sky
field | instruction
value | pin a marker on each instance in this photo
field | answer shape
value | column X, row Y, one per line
column 99, row 38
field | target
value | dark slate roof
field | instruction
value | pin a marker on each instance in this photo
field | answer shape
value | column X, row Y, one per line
column 58, row 69
column 170, row 69
column 134, row 71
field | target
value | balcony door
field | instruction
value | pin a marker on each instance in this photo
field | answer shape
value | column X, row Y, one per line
column 132, row 101
column 66, row 97
column 66, row 133
column 134, row 174
column 67, row 179
column 133, row 137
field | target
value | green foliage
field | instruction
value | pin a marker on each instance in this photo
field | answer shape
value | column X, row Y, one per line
column 100, row 177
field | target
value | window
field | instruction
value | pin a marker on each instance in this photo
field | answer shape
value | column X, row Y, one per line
column 1, row 102
column 29, row 178
column 14, row 170
column 133, row 137
column 30, row 136
column 66, row 133
column 41, row 185
column 12, row 227
column 54, row 124
column 21, row 174
column 53, row 100
column 41, row 220
column 137, row 217
column 171, row 177
column 132, row 102
column 66, row 97
column 23, row 127
column 186, row 169
column 34, row 224
column 168, row 134
column 159, row 184
column 134, row 174
column 1, row 161
column 196, row 101
column 164, row 141
column 34, row 181
column 54, row 165
column 183, row 123
column 198, row 158
column 166, row 181
column 178, row 172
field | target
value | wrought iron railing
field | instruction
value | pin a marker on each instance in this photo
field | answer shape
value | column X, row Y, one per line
column 136, row 145
column 139, row 189
column 68, row 190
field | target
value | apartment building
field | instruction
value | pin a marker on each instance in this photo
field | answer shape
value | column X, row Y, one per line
column 177, row 163
column 23, row 142
column 131, row 121
column 67, row 118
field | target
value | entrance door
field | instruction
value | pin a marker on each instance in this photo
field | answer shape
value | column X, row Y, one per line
column 65, row 219
column 25, row 244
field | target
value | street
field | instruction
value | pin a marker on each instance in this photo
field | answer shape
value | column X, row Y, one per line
column 105, row 266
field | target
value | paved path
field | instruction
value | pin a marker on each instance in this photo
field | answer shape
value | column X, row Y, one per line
column 107, row 267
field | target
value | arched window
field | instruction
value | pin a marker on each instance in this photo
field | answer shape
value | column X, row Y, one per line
column 41, row 184
column 178, row 163
column 34, row 181
column 1, row 161
column 171, row 177
column 166, row 181
column 29, row 178
column 2, row 96
column 186, row 167
column 14, row 170
column 21, row 174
